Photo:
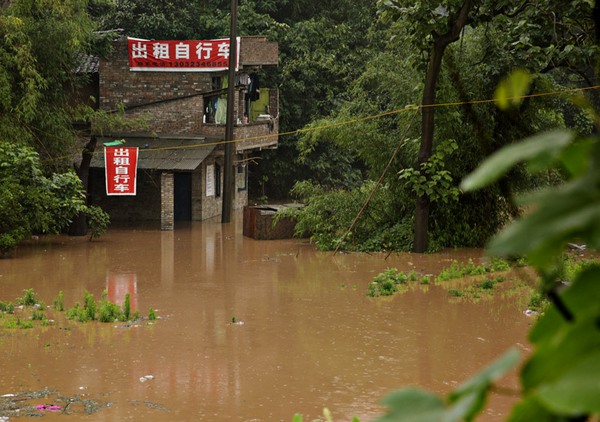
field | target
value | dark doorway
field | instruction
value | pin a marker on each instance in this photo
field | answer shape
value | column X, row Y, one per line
column 183, row 196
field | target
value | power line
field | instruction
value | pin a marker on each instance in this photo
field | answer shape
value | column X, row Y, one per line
column 357, row 120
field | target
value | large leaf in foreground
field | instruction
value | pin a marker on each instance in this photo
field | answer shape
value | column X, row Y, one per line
column 548, row 144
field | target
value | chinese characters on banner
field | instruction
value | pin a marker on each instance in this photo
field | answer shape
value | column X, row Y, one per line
column 121, row 170
column 180, row 56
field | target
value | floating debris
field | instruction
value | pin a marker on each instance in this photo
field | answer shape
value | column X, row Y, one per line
column 151, row 405
column 146, row 378
column 52, row 407
column 23, row 404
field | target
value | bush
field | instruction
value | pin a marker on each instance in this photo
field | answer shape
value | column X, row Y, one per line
column 33, row 203
column 329, row 215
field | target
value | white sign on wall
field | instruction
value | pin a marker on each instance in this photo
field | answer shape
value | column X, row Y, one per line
column 210, row 180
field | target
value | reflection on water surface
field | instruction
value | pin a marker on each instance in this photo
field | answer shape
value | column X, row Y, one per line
column 306, row 335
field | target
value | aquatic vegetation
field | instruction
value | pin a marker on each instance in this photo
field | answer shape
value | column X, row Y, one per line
column 538, row 302
column 7, row 307
column 487, row 284
column 388, row 282
column 384, row 284
column 17, row 322
column 127, row 307
column 38, row 314
column 102, row 310
column 455, row 270
column 89, row 306
column 454, row 292
column 29, row 298
column 59, row 302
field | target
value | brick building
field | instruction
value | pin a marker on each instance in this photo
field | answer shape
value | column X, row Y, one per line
column 181, row 150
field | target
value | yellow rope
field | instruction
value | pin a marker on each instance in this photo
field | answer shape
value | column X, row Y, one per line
column 357, row 120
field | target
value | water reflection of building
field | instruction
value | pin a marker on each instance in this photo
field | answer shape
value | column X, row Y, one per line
column 119, row 285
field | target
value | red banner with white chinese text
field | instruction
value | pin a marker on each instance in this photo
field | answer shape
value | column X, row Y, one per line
column 180, row 56
column 121, row 170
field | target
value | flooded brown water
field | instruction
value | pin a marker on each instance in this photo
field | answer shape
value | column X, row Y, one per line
column 307, row 335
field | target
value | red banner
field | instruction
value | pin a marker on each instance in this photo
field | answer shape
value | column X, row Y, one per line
column 180, row 56
column 121, row 170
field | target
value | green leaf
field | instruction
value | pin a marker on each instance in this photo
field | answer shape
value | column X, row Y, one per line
column 577, row 391
column 569, row 345
column 559, row 216
column 510, row 91
column 499, row 163
column 485, row 378
column 531, row 410
column 582, row 298
column 576, row 158
column 413, row 405
column 466, row 407
column 297, row 418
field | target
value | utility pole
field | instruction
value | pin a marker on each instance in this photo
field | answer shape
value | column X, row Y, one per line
column 228, row 173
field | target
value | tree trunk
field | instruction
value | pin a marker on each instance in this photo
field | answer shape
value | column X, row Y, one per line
column 79, row 225
column 428, row 119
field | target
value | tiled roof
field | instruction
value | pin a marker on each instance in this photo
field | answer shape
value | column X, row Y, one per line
column 162, row 154
column 88, row 64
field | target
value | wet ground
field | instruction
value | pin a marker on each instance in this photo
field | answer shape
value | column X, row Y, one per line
column 305, row 335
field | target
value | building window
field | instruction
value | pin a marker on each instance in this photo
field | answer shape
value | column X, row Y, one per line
column 214, row 101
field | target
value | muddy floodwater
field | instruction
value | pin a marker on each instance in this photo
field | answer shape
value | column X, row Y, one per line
column 305, row 337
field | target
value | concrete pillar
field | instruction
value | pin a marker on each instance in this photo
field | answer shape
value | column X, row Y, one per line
column 167, row 201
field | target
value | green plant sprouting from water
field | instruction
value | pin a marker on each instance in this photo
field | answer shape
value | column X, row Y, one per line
column 389, row 281
column 103, row 310
column 456, row 270
column 59, row 302
column 91, row 310
column 29, row 298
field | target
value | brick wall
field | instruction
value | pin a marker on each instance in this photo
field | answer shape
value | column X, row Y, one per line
column 119, row 84
column 181, row 117
column 257, row 51
column 145, row 206
column 167, row 201
column 211, row 205
column 173, row 104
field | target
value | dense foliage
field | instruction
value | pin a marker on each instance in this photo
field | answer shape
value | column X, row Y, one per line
column 371, row 120
column 559, row 380
column 31, row 202
column 40, row 44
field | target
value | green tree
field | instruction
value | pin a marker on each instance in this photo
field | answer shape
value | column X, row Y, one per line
column 39, row 48
column 534, row 39
column 33, row 203
column 322, row 48
column 559, row 379
column 42, row 43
